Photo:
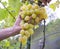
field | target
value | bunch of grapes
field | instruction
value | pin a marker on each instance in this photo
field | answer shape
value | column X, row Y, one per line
column 31, row 16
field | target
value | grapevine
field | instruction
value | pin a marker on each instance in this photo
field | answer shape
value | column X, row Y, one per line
column 31, row 16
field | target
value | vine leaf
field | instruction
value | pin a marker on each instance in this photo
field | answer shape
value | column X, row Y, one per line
column 53, row 6
column 7, row 43
column 3, row 14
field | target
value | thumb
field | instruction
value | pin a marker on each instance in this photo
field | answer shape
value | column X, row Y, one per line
column 18, row 20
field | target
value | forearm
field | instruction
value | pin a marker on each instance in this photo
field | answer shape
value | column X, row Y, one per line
column 5, row 33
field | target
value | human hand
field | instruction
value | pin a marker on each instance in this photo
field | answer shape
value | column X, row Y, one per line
column 18, row 20
column 16, row 25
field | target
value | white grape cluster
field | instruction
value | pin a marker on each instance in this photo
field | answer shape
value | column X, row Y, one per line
column 31, row 16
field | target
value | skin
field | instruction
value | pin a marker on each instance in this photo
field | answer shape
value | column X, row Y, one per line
column 14, row 30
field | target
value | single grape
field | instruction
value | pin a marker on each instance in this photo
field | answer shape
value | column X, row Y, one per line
column 29, row 6
column 37, row 11
column 27, row 34
column 35, row 6
column 24, row 40
column 27, row 18
column 31, row 31
column 22, row 32
column 26, row 25
column 23, row 7
column 31, row 26
column 31, row 11
column 33, row 16
column 37, row 20
column 28, row 12
column 22, row 16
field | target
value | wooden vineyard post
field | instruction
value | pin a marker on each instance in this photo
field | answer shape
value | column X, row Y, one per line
column 28, row 43
column 44, row 36
column 20, row 45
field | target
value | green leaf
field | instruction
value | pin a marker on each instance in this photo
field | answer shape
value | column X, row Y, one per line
column 9, row 21
column 14, row 5
column 7, row 43
column 3, row 14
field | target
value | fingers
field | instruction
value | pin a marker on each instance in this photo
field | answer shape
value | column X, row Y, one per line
column 18, row 20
